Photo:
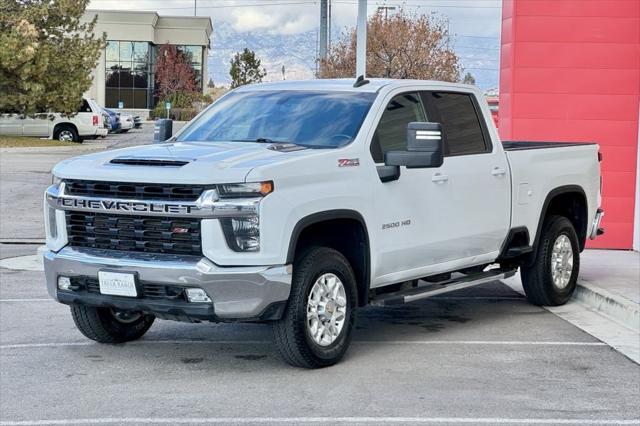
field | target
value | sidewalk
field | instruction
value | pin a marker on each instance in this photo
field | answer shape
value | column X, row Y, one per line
column 606, row 303
column 610, row 283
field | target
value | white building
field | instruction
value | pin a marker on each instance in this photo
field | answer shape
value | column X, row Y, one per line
column 124, row 77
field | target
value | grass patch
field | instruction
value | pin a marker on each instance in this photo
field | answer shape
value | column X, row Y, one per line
column 25, row 141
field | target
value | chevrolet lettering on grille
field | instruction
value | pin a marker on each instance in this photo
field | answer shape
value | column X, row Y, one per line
column 124, row 206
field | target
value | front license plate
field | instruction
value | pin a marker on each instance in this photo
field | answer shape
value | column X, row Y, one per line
column 117, row 283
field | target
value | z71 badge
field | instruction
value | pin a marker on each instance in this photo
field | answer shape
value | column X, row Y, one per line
column 348, row 162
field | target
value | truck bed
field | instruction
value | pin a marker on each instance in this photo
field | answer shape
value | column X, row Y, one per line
column 520, row 145
column 538, row 168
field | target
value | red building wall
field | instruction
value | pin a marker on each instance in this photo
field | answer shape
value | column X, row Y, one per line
column 570, row 71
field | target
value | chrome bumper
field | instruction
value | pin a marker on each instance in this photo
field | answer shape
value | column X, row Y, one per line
column 238, row 293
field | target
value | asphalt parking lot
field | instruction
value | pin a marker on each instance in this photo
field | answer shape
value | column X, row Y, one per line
column 479, row 356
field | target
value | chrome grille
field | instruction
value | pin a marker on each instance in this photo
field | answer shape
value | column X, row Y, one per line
column 134, row 191
column 134, row 233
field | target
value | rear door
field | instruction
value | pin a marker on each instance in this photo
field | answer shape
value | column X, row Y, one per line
column 38, row 126
column 474, row 178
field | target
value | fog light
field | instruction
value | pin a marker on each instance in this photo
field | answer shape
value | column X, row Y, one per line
column 197, row 295
column 64, row 283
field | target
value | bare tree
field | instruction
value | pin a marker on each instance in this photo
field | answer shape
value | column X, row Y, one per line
column 404, row 45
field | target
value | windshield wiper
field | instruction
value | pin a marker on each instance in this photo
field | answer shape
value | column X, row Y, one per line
column 259, row 140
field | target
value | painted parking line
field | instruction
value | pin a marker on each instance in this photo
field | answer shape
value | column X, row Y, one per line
column 269, row 342
column 432, row 298
column 308, row 420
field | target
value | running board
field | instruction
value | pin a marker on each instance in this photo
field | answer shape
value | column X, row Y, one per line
column 434, row 289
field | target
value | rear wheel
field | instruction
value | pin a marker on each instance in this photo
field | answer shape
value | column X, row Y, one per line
column 315, row 330
column 551, row 280
column 106, row 325
column 66, row 134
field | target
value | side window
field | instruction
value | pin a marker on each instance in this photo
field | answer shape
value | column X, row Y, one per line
column 391, row 133
column 85, row 107
column 460, row 123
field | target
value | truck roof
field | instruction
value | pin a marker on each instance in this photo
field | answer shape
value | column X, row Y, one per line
column 346, row 85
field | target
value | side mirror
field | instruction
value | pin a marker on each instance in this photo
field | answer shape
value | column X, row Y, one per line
column 424, row 147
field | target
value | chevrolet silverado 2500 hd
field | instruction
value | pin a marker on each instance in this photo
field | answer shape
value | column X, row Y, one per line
column 295, row 203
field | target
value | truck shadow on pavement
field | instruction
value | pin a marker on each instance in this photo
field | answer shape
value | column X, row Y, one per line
column 474, row 314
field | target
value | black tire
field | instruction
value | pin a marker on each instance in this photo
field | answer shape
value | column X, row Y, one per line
column 293, row 341
column 537, row 278
column 101, row 325
column 66, row 130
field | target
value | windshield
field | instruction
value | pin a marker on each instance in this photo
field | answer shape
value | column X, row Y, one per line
column 313, row 119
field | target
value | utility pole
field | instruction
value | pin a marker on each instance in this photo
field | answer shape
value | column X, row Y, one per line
column 195, row 7
column 386, row 10
column 361, row 39
column 283, row 77
column 329, row 19
column 323, row 29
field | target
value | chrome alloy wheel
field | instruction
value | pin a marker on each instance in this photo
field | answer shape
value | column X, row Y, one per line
column 326, row 309
column 561, row 261
column 65, row 136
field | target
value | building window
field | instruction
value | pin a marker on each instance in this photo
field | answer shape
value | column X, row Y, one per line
column 194, row 57
column 127, row 74
column 130, row 72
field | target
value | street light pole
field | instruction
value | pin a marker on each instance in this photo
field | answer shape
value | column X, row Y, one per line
column 195, row 7
column 361, row 39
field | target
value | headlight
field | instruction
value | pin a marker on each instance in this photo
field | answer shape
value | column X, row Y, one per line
column 242, row 233
column 245, row 190
column 55, row 180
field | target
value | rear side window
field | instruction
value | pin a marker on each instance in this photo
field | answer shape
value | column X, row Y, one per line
column 460, row 123
column 85, row 107
column 391, row 133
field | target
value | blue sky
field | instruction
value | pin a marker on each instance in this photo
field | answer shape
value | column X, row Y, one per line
column 473, row 24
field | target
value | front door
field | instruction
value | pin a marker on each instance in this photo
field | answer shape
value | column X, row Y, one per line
column 431, row 219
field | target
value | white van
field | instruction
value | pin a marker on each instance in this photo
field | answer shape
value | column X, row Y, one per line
column 86, row 124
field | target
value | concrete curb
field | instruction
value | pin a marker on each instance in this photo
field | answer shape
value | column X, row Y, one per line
column 616, row 307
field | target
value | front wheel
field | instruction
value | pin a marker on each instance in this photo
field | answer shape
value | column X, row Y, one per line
column 551, row 280
column 315, row 329
column 106, row 325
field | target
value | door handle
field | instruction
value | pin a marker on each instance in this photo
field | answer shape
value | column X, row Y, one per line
column 498, row 171
column 439, row 178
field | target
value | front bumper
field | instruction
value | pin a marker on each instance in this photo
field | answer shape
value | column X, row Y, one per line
column 247, row 293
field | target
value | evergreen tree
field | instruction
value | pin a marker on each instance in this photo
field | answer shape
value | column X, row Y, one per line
column 246, row 69
column 46, row 55
column 469, row 79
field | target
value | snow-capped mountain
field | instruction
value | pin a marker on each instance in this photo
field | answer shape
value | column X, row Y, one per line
column 297, row 52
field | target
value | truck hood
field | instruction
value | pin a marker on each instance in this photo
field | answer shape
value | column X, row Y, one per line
column 179, row 162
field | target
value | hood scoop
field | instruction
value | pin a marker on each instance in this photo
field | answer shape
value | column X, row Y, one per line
column 285, row 147
column 152, row 162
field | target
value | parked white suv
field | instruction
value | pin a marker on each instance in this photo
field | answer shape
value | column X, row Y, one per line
column 296, row 203
column 88, row 123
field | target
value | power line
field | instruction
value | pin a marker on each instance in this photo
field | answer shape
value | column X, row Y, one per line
column 427, row 4
column 227, row 6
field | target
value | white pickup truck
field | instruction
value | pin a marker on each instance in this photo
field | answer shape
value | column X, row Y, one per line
column 296, row 203
column 87, row 123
